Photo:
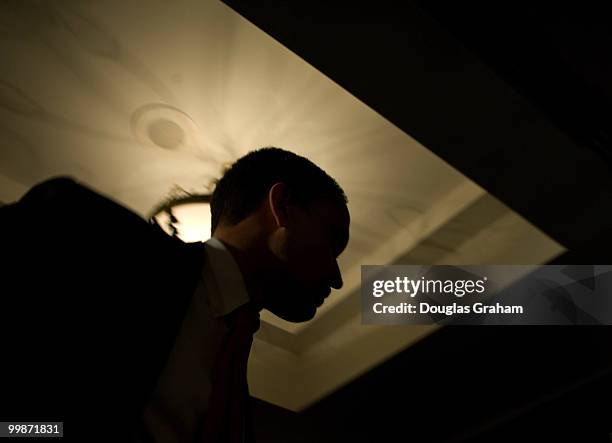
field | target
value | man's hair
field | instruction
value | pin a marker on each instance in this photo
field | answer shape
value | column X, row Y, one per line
column 243, row 187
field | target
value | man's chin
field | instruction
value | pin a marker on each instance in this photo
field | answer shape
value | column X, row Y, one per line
column 294, row 314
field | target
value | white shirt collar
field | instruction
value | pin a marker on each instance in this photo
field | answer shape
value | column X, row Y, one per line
column 223, row 279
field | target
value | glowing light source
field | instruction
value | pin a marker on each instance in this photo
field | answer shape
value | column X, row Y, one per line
column 187, row 218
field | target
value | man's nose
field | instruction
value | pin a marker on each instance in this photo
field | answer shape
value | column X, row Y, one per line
column 336, row 281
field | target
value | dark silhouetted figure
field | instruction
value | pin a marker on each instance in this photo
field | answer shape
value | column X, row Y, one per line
column 127, row 334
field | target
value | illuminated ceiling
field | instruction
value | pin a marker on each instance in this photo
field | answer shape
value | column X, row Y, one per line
column 135, row 97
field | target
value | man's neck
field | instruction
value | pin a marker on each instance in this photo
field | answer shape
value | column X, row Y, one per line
column 251, row 269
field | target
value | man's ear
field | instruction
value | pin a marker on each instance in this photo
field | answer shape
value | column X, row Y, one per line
column 278, row 200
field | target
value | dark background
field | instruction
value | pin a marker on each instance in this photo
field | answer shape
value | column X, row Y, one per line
column 517, row 96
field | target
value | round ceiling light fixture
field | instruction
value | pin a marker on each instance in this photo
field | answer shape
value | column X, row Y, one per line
column 184, row 215
column 164, row 126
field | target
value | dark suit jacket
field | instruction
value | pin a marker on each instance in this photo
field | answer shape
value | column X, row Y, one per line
column 92, row 298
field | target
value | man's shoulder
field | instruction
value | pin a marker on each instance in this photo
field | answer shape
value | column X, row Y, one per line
column 70, row 248
column 93, row 297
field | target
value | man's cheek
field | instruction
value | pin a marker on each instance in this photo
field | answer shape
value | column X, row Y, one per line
column 307, row 277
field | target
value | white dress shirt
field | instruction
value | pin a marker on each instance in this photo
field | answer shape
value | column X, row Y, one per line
column 180, row 400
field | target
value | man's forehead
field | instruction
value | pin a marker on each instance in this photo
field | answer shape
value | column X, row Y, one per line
column 341, row 235
column 337, row 216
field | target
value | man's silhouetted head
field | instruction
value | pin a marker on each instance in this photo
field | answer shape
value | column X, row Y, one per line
column 287, row 220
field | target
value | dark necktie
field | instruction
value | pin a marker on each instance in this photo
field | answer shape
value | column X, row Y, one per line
column 226, row 420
